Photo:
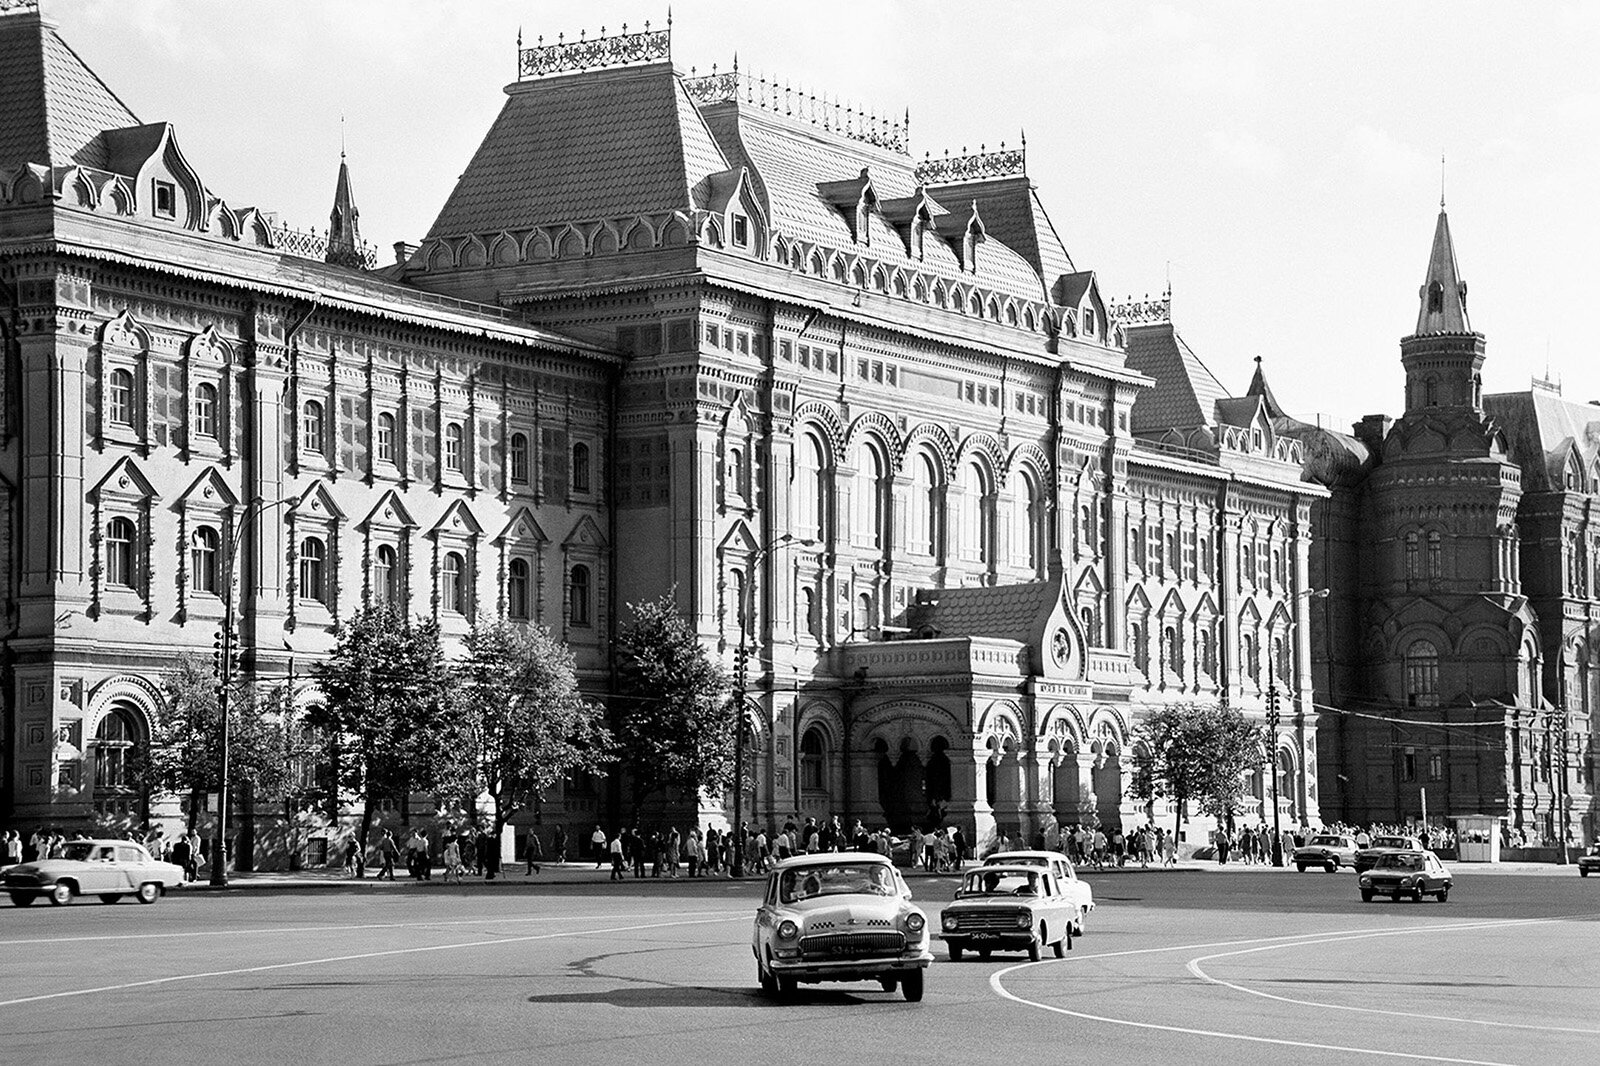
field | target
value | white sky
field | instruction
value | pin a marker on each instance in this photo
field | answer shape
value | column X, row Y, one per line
column 1282, row 158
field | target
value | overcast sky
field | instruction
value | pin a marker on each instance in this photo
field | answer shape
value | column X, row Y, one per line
column 1280, row 159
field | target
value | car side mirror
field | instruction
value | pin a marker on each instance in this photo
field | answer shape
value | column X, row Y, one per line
column 907, row 893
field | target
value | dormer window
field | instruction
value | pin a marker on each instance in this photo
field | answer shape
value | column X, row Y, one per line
column 741, row 231
column 165, row 197
column 1088, row 322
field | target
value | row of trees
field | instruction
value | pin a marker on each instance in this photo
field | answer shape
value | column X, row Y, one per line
column 504, row 723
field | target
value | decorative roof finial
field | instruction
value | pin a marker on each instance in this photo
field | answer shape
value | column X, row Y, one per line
column 1441, row 181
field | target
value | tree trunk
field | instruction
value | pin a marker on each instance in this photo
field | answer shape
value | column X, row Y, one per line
column 366, row 818
column 1177, row 822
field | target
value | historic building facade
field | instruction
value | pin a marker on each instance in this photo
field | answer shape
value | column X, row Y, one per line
column 866, row 416
column 1457, row 649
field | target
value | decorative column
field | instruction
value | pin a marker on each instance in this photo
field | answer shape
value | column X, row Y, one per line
column 260, row 565
column 969, row 802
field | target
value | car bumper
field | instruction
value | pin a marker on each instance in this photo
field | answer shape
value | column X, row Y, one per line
column 989, row 938
column 850, row 969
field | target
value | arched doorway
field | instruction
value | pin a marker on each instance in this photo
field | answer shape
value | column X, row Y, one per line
column 902, row 785
column 1108, row 783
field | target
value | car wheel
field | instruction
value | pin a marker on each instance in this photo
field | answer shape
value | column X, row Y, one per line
column 110, row 897
column 1332, row 867
column 61, row 894
column 956, row 951
column 787, row 985
column 1583, row 871
column 764, row 978
column 889, row 984
column 983, row 953
column 149, row 892
column 1060, row 946
column 1366, row 895
column 1034, row 945
column 1300, row 866
column 1416, row 895
column 23, row 899
column 911, row 986
column 1443, row 895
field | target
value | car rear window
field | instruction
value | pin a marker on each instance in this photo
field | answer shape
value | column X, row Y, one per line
column 1332, row 841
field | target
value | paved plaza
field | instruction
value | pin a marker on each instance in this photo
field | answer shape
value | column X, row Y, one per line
column 1193, row 965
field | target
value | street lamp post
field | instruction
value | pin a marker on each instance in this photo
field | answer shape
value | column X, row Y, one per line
column 1272, row 747
column 741, row 661
column 226, row 652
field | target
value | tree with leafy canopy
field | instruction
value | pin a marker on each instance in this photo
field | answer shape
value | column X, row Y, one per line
column 185, row 753
column 387, row 709
column 1195, row 752
column 673, row 724
column 525, row 723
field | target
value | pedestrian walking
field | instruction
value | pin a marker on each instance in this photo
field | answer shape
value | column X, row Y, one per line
column 598, row 840
column 389, row 852
column 352, row 858
column 558, row 845
column 535, row 851
column 453, row 870
column 617, row 857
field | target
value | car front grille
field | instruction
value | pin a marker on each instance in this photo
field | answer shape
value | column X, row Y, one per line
column 870, row 923
column 985, row 921
column 852, row 945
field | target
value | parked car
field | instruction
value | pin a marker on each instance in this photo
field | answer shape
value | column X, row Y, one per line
column 109, row 869
column 1589, row 863
column 1015, row 907
column 1367, row 856
column 839, row 916
column 1066, row 877
column 1407, row 873
column 1327, row 850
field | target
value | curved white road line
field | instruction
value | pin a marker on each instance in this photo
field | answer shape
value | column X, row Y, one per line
column 184, row 934
column 239, row 971
column 1195, row 968
column 996, row 979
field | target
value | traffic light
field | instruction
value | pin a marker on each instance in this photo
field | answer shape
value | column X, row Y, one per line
column 216, row 656
column 741, row 665
column 1272, row 707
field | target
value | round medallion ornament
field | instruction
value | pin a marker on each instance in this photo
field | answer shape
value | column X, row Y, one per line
column 1061, row 647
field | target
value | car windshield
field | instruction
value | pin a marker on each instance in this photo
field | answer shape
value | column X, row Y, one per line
column 1391, row 842
column 79, row 850
column 1002, row 883
column 1401, row 861
column 843, row 879
column 1332, row 842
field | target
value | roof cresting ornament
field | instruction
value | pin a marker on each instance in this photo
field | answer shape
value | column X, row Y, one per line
column 593, row 53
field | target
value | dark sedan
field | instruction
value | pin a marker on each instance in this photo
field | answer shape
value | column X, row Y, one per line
column 1590, row 863
column 1412, row 874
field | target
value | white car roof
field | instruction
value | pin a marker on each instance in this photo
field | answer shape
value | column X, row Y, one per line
column 830, row 858
column 1003, row 856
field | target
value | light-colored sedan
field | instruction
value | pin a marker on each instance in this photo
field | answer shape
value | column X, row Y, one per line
column 1066, row 877
column 1009, row 908
column 839, row 916
column 109, row 869
column 1327, row 850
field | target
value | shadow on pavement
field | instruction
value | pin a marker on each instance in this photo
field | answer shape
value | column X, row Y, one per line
column 700, row 996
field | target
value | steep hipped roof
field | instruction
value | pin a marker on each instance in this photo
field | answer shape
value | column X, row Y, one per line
column 1185, row 393
column 600, row 144
column 1443, row 293
column 52, row 106
column 1001, row 612
column 1543, row 431
column 1013, row 214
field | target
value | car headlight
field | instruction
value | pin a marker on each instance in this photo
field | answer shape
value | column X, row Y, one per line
column 1024, row 920
column 787, row 930
column 915, row 922
column 1365, row 880
column 1408, row 882
column 950, row 923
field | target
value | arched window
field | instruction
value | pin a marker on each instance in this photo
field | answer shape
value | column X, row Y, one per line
column 1422, row 674
column 1028, row 525
column 384, row 568
column 121, row 552
column 1280, row 659
column 313, row 432
column 979, row 507
column 203, row 560
column 1435, row 556
column 808, row 614
column 114, row 742
column 1139, row 645
column 452, row 583
column 869, row 495
column 205, row 410
column 1430, row 392
column 811, row 488
column 517, row 584
column 519, row 458
column 733, row 473
column 1170, row 636
column 1208, row 654
column 313, row 579
column 1411, row 556
column 580, row 468
column 1250, row 657
column 385, row 438
column 923, row 524
column 813, row 752
column 738, row 601
column 578, row 596
column 862, row 624
column 452, row 447
column 119, row 398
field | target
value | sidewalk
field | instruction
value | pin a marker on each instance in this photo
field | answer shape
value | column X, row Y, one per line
column 579, row 873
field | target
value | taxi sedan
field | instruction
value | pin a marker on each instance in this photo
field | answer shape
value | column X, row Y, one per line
column 1590, row 863
column 839, row 916
column 1412, row 874
column 109, row 869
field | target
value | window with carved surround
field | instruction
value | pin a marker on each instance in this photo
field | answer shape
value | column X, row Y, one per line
column 123, row 382
column 384, row 444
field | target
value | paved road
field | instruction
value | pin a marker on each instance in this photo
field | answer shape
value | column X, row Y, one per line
column 1240, row 967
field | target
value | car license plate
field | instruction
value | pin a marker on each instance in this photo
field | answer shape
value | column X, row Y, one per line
column 981, row 936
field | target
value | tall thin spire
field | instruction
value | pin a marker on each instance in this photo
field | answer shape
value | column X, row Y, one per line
column 1443, row 294
column 344, row 222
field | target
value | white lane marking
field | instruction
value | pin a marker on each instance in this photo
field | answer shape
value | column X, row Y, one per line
column 180, row 934
column 1195, row 968
column 1000, row 990
column 71, row 993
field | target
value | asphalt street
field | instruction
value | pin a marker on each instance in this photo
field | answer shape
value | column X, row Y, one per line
column 1186, row 966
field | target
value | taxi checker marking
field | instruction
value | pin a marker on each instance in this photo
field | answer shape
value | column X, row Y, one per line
column 357, row 957
column 1194, row 968
column 996, row 979
column 183, row 934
